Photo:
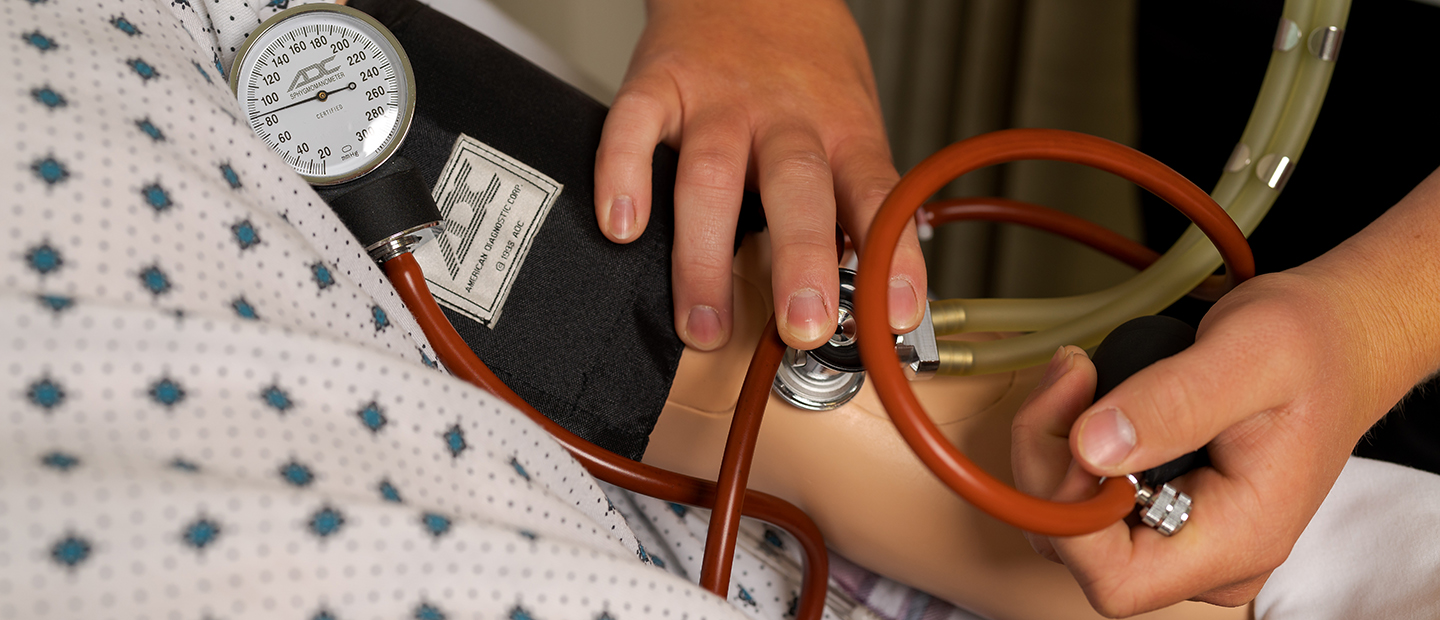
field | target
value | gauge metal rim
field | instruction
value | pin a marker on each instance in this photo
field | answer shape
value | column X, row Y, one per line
column 406, row 115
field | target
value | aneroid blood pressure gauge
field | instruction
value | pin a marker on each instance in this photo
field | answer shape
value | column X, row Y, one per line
column 328, row 88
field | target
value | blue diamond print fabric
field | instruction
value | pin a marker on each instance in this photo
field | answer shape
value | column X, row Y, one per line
column 215, row 405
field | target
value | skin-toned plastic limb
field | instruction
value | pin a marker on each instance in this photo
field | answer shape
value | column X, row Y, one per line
column 877, row 504
column 409, row 281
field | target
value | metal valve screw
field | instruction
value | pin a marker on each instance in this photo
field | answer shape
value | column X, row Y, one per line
column 1166, row 510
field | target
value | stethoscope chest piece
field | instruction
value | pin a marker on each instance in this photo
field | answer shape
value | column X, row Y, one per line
column 830, row 375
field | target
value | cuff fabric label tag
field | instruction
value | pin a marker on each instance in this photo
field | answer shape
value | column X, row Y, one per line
column 493, row 206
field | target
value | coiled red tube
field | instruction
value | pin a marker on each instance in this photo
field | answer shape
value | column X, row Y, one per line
column 1116, row 497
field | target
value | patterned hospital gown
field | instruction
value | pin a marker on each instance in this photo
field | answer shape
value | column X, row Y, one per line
column 215, row 406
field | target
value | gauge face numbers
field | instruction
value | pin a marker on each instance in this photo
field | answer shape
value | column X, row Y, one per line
column 326, row 91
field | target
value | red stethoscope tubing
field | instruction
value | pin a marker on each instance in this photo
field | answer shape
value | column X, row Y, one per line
column 729, row 498
column 1116, row 497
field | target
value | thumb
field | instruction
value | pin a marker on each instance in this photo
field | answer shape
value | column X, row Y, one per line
column 1175, row 406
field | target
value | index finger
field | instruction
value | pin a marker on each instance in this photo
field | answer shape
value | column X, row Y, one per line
column 864, row 176
column 638, row 121
column 798, row 192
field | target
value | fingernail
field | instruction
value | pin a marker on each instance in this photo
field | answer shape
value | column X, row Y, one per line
column 903, row 304
column 805, row 316
column 1106, row 438
column 622, row 218
column 703, row 327
column 1060, row 363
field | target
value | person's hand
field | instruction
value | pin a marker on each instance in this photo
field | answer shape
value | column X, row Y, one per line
column 779, row 94
column 1286, row 374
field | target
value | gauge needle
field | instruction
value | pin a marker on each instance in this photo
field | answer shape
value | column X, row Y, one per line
column 321, row 95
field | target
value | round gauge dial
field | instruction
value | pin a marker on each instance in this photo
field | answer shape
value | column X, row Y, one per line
column 326, row 87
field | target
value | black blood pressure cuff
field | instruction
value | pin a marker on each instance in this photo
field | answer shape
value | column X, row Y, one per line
column 587, row 334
